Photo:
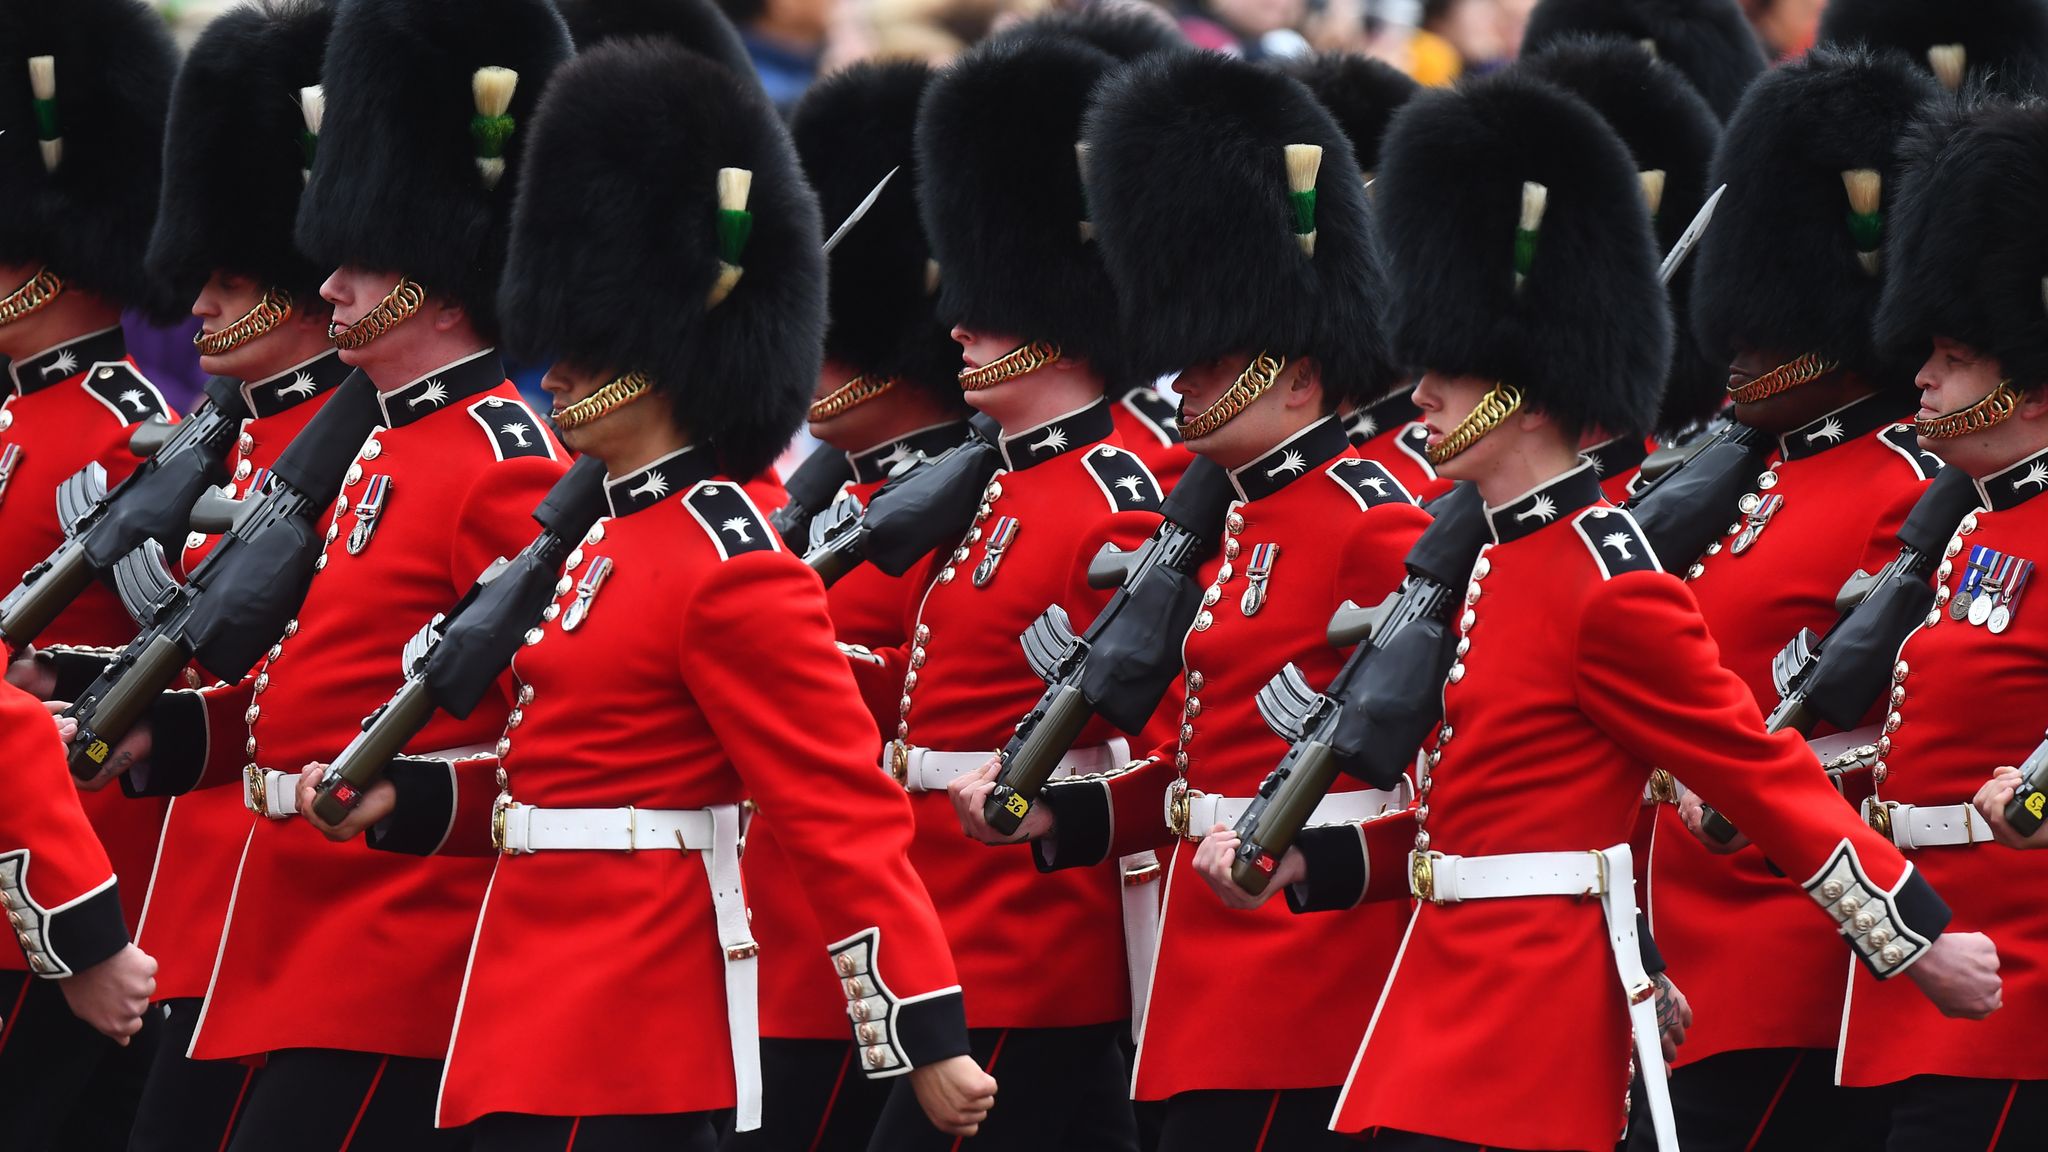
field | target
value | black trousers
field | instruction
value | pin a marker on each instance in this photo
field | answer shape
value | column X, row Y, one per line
column 1763, row 1100
column 1057, row 1088
column 1954, row 1114
column 316, row 1100
column 814, row 1099
column 680, row 1132
column 1297, row 1120
column 1393, row 1140
column 188, row 1105
column 63, row 1086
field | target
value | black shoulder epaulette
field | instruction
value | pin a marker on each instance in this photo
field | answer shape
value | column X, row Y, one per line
column 1901, row 438
column 1616, row 541
column 1414, row 440
column 126, row 394
column 513, row 428
column 1368, row 482
column 730, row 519
column 1123, row 478
column 1158, row 413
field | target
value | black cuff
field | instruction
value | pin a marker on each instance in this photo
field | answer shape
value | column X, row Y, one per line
column 933, row 1030
column 86, row 933
column 1653, row 960
column 1888, row 931
column 1081, row 825
column 425, row 810
column 177, row 747
column 1335, row 855
column 75, row 668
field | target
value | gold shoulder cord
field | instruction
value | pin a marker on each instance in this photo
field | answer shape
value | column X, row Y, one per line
column 41, row 288
column 1991, row 410
column 274, row 309
column 1030, row 358
column 1493, row 409
column 1255, row 381
column 395, row 309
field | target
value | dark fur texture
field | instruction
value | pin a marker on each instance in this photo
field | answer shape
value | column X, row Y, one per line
column 698, row 25
column 1000, row 190
column 1666, row 125
column 610, row 268
column 1708, row 40
column 1125, row 33
column 850, row 130
column 2005, row 42
column 90, row 220
column 1188, row 180
column 233, row 167
column 1777, row 272
column 395, row 185
column 1588, row 335
column 1360, row 92
column 1969, row 244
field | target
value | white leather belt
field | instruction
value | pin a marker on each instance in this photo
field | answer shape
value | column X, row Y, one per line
column 270, row 793
column 1206, row 811
column 712, row 833
column 930, row 769
column 1606, row 873
column 1926, row 826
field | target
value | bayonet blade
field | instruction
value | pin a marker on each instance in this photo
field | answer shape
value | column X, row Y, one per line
column 859, row 210
column 1690, row 238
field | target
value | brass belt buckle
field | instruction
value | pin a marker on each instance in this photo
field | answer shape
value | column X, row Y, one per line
column 899, row 762
column 1663, row 789
column 256, row 789
column 1422, row 875
column 1177, row 808
column 1881, row 817
column 498, row 809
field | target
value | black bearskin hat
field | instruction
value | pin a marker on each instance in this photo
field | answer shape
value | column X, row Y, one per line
column 1360, row 92
column 698, row 25
column 1709, row 41
column 615, row 268
column 1671, row 133
column 413, row 172
column 1000, row 190
column 1519, row 249
column 851, row 129
column 2002, row 43
column 1791, row 266
column 239, row 149
column 1967, row 252
column 81, row 141
column 1223, row 237
column 1125, row 31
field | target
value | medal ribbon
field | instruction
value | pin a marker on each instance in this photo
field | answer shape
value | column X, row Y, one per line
column 1980, row 567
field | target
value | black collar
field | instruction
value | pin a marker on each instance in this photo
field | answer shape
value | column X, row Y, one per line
column 1547, row 503
column 2013, row 486
column 1291, row 459
column 67, row 360
column 672, row 475
column 1613, row 457
column 1056, row 437
column 1365, row 423
column 295, row 385
column 1849, row 422
column 874, row 464
column 477, row 372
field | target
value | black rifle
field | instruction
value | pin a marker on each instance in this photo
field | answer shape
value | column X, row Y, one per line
column 2029, row 803
column 456, row 658
column 153, row 503
column 1834, row 679
column 1130, row 654
column 239, row 599
column 922, row 508
column 812, row 488
column 1687, row 507
column 1380, row 706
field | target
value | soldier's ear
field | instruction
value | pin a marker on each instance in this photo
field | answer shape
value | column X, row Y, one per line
column 1305, row 382
column 2034, row 401
column 449, row 314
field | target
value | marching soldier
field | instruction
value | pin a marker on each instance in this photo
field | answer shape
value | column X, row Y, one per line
column 1271, row 321
column 1997, row 44
column 81, row 142
column 683, row 314
column 1710, row 41
column 1516, row 231
column 1966, row 290
column 424, row 109
column 1784, row 288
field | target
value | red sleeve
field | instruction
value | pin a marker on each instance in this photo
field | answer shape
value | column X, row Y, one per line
column 802, row 746
column 496, row 515
column 56, row 885
column 1651, row 678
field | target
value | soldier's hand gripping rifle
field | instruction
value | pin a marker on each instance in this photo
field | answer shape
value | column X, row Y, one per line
column 237, row 602
column 811, row 488
column 1380, row 706
column 153, row 503
column 1834, row 679
column 456, row 658
column 2028, row 807
column 920, row 509
column 1121, row 667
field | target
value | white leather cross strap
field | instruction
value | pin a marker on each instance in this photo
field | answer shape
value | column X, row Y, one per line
column 1926, row 826
column 930, row 769
column 712, row 833
column 1608, row 874
column 1141, row 928
column 270, row 793
column 1205, row 811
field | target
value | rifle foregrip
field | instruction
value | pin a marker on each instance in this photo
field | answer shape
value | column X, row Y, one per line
column 69, row 573
column 1716, row 826
column 384, row 737
column 1268, row 828
column 1034, row 756
column 110, row 709
column 834, row 559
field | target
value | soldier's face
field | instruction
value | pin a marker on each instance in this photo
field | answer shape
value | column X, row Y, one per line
column 1293, row 403
column 226, row 298
column 566, row 384
column 1957, row 376
column 1445, row 401
column 854, row 429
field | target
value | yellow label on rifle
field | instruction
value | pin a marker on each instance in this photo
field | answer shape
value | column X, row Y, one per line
column 1017, row 805
column 97, row 751
column 2037, row 802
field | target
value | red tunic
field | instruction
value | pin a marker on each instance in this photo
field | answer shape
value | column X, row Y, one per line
column 963, row 683
column 1583, row 664
column 67, row 407
column 56, row 886
column 1341, row 526
column 1969, row 700
column 1844, row 499
column 463, row 462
